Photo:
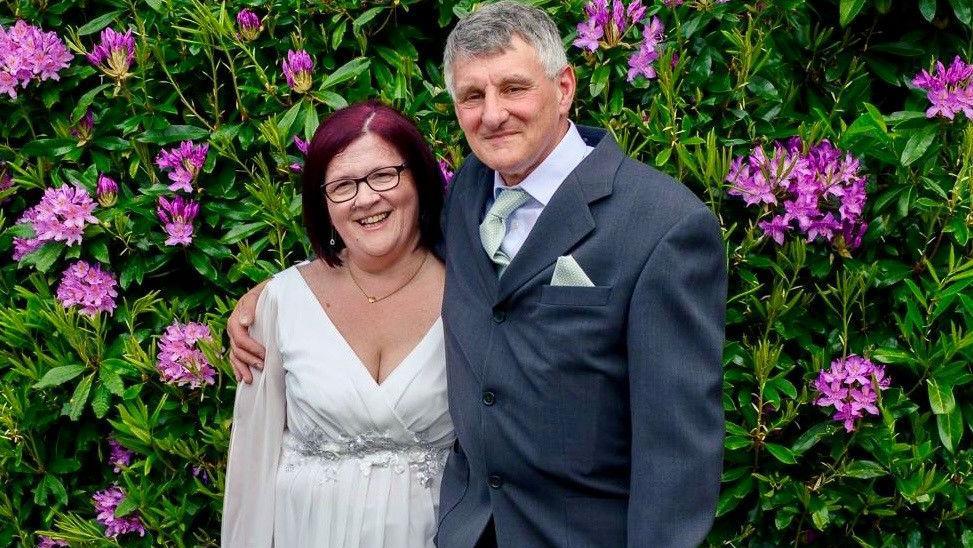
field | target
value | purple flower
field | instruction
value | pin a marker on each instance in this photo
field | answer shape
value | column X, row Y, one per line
column 88, row 286
column 950, row 90
column 107, row 190
column 85, row 127
column 48, row 542
column 201, row 473
column 249, row 24
column 447, row 172
column 302, row 145
column 850, row 385
column 114, row 54
column 6, row 181
column 118, row 456
column 297, row 70
column 641, row 62
column 606, row 26
column 179, row 361
column 61, row 216
column 184, row 163
column 177, row 219
column 106, row 502
column 821, row 191
column 28, row 53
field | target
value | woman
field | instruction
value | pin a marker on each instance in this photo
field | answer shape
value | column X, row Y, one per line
column 341, row 439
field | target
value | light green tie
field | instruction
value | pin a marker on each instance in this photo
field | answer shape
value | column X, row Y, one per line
column 494, row 225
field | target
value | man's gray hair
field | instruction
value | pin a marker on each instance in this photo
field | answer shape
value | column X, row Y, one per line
column 490, row 29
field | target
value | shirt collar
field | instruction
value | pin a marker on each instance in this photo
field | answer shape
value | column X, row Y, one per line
column 547, row 177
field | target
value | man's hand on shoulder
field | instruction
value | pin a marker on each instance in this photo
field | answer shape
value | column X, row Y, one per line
column 245, row 352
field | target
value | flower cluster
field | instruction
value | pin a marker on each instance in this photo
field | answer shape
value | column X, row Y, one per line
column 88, row 286
column 301, row 145
column 851, row 386
column 821, row 192
column 106, row 502
column 85, row 128
column 297, row 70
column 106, row 190
column 249, row 25
column 61, row 216
column 118, row 456
column 48, row 542
column 184, row 163
column 177, row 217
column 179, row 361
column 26, row 53
column 641, row 62
column 605, row 26
column 114, row 54
column 950, row 90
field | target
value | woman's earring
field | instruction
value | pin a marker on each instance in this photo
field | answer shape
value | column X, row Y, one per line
column 331, row 243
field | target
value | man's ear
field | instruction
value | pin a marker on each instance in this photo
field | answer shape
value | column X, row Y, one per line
column 567, row 84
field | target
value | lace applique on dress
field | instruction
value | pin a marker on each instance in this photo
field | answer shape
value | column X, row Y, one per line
column 426, row 460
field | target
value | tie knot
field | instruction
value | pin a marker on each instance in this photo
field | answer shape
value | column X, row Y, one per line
column 508, row 201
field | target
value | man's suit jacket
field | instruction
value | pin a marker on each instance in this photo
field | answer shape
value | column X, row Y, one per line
column 586, row 416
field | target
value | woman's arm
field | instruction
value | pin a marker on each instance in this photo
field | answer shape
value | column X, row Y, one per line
column 245, row 352
column 255, row 443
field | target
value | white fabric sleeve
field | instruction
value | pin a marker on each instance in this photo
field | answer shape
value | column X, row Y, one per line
column 259, row 417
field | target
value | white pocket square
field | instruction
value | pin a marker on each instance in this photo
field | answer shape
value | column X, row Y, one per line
column 567, row 272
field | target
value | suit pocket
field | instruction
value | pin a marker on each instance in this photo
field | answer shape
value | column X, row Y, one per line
column 568, row 295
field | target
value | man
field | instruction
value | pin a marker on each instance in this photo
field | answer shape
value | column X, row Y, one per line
column 584, row 309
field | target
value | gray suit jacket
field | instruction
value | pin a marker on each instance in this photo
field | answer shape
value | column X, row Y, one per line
column 586, row 416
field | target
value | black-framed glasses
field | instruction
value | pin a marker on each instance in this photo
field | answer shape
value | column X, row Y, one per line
column 379, row 180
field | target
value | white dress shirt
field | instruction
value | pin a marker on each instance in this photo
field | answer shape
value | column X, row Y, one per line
column 540, row 185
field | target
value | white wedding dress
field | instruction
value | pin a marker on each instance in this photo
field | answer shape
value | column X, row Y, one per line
column 320, row 454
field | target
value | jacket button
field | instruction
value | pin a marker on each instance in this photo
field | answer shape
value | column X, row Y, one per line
column 495, row 481
column 499, row 316
column 489, row 398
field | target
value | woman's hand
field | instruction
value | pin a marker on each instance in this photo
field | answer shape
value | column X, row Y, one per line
column 245, row 352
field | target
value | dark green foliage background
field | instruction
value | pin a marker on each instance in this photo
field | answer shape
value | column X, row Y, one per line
column 748, row 73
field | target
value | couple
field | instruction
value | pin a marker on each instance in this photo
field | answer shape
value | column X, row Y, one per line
column 582, row 303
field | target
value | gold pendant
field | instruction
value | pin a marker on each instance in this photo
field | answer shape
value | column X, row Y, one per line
column 371, row 299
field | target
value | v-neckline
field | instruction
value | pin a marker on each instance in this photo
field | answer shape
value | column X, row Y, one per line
column 363, row 369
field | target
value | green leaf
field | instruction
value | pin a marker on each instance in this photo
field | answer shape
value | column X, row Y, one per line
column 52, row 148
column 331, row 99
column 99, row 250
column 917, row 144
column 599, row 79
column 941, row 398
column 98, row 23
column 365, row 17
column 127, row 506
column 108, row 372
column 864, row 469
column 781, row 453
column 285, row 123
column 928, row 9
column 203, row 264
column 44, row 258
column 241, row 231
column 348, row 71
column 85, row 101
column 57, row 376
column 80, row 397
column 964, row 11
column 172, row 134
column 101, row 401
column 812, row 436
column 730, row 498
column 950, row 429
column 849, row 9
column 338, row 34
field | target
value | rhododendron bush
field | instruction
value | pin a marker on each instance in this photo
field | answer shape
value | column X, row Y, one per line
column 149, row 160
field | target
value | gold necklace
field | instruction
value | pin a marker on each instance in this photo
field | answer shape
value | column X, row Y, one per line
column 372, row 299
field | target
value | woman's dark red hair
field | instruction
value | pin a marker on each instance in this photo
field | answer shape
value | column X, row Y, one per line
column 341, row 129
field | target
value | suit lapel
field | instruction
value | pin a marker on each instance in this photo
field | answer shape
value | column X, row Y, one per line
column 567, row 218
column 476, row 198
